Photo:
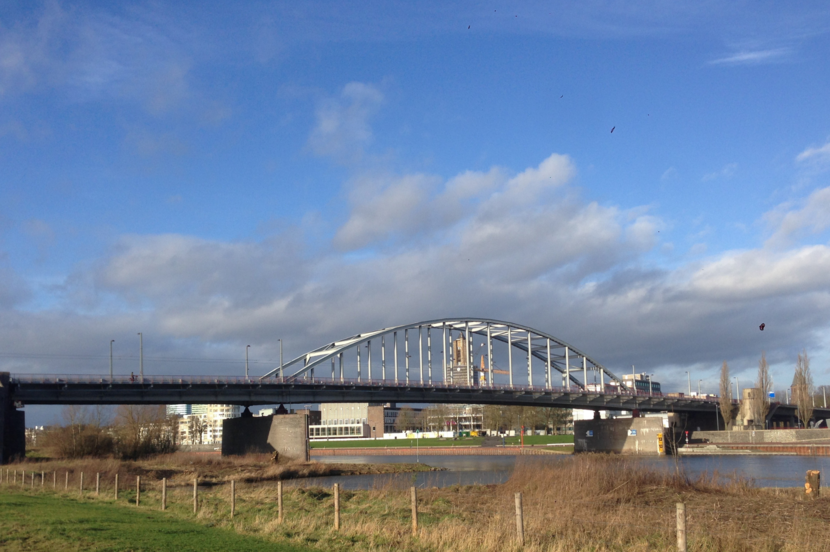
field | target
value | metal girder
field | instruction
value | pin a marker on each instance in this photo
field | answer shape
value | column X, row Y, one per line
column 515, row 335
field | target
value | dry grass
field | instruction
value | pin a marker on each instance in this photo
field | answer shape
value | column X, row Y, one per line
column 588, row 502
column 181, row 468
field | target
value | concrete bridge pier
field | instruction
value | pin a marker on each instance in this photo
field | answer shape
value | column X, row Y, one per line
column 12, row 424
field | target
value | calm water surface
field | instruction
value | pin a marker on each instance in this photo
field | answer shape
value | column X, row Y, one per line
column 766, row 471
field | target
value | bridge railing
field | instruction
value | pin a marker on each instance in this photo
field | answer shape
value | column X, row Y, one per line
column 255, row 382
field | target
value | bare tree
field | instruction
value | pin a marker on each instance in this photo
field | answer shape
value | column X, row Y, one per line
column 405, row 419
column 143, row 430
column 196, row 428
column 760, row 402
column 803, row 389
column 725, row 400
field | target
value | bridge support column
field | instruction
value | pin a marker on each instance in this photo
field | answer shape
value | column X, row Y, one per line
column 12, row 424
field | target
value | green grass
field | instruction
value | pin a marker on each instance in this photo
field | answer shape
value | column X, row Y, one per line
column 49, row 522
column 383, row 443
column 540, row 439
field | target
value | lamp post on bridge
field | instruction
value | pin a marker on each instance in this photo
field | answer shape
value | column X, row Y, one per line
column 282, row 376
column 246, row 360
column 140, row 358
column 698, row 388
column 689, row 377
column 111, row 342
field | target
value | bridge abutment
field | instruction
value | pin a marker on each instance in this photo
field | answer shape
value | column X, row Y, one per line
column 12, row 424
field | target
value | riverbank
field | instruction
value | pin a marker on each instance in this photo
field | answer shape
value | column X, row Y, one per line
column 766, row 449
column 445, row 451
column 529, row 440
column 584, row 502
column 181, row 468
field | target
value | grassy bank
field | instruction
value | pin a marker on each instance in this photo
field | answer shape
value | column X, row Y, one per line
column 405, row 443
column 210, row 469
column 42, row 521
column 587, row 502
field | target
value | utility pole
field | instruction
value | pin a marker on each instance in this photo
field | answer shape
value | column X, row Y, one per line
column 141, row 358
column 111, row 342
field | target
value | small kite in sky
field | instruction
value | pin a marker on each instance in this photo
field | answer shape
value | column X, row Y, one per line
column 612, row 130
column 762, row 326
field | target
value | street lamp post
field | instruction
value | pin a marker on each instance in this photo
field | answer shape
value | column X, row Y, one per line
column 689, row 377
column 698, row 388
column 140, row 358
column 737, row 389
column 282, row 376
column 246, row 360
column 649, row 383
column 111, row 342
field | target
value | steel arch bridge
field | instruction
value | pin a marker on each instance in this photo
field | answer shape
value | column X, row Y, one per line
column 457, row 356
column 425, row 362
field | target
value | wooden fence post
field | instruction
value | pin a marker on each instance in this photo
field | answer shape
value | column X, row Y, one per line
column 337, row 506
column 54, row 479
column 81, row 489
column 195, row 496
column 812, row 484
column 520, row 522
column 42, row 479
column 414, row 499
column 233, row 498
column 66, row 483
column 33, row 480
column 98, row 484
column 116, row 487
column 279, row 502
column 137, row 490
column 163, row 493
column 681, row 527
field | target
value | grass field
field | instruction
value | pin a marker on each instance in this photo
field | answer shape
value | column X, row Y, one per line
column 383, row 443
column 40, row 521
column 461, row 442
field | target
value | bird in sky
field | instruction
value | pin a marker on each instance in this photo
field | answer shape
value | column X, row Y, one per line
column 612, row 129
column 468, row 26
column 762, row 326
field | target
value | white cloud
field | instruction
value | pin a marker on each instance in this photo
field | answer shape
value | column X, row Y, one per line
column 668, row 174
column 342, row 128
column 791, row 221
column 753, row 57
column 726, row 172
column 820, row 154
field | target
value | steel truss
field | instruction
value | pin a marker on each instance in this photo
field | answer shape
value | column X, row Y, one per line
column 554, row 353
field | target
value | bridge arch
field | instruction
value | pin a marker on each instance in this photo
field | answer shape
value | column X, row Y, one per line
column 457, row 364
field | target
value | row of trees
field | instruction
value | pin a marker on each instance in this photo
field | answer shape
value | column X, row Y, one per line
column 133, row 432
column 803, row 391
column 437, row 417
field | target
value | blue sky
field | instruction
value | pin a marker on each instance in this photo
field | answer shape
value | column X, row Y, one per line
column 221, row 175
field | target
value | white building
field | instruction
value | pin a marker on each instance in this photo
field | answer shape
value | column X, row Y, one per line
column 204, row 425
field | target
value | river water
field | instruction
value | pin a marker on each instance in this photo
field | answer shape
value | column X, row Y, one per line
column 765, row 471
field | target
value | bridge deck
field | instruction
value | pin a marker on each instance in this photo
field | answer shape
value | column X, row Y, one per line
column 96, row 389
